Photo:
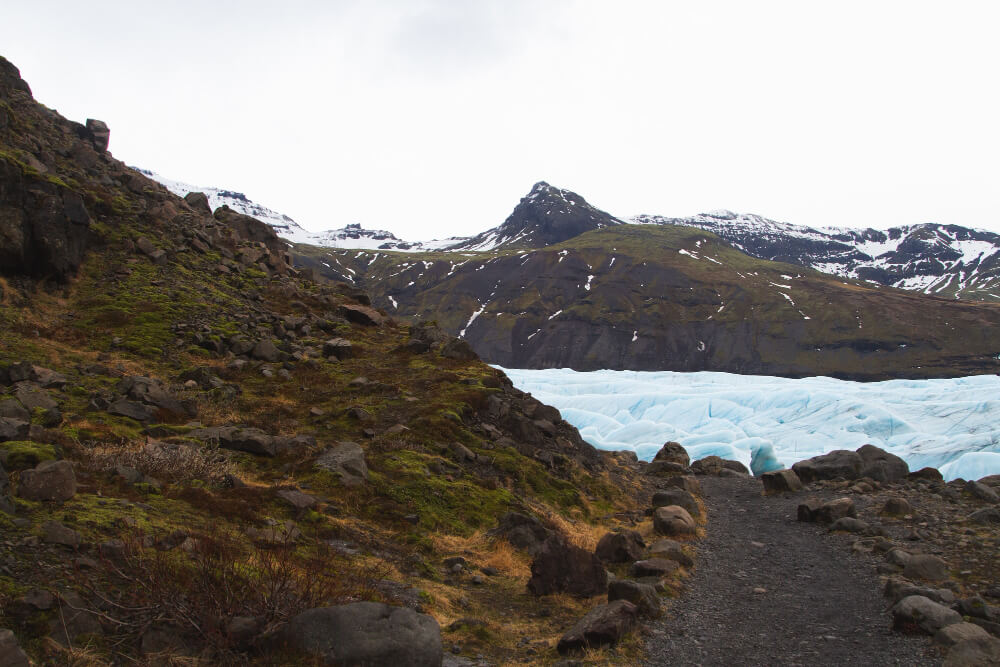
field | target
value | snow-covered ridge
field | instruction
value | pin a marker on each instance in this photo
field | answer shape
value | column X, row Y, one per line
column 944, row 260
column 349, row 236
column 770, row 422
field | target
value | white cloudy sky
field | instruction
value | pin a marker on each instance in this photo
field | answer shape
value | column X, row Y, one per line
column 433, row 117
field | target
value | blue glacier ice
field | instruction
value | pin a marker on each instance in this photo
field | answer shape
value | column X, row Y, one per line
column 770, row 422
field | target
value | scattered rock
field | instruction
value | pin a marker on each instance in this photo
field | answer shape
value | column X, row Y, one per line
column 459, row 350
column 974, row 653
column 716, row 465
column 265, row 350
column 641, row 595
column 830, row 511
column 687, row 482
column 561, row 567
column 199, row 202
column 297, row 499
column 670, row 550
column 849, row 525
column 952, row 634
column 603, row 625
column 897, row 506
column 781, row 481
column 678, row 497
column 132, row 409
column 362, row 315
column 73, row 619
column 926, row 567
column 43, row 377
column 366, row 633
column 653, row 567
column 49, row 480
column 673, row 520
column 54, row 532
column 11, row 654
column 919, row 613
column 340, row 348
column 930, row 474
column 986, row 516
column 620, row 547
column 982, row 492
column 348, row 460
column 673, row 452
column 100, row 135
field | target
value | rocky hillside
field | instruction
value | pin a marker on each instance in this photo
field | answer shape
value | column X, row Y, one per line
column 943, row 260
column 205, row 456
column 663, row 297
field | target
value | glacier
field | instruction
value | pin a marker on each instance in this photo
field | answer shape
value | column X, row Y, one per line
column 769, row 423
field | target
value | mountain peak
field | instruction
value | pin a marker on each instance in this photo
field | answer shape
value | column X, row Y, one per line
column 545, row 216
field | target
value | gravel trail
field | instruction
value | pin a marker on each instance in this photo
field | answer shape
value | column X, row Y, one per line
column 769, row 590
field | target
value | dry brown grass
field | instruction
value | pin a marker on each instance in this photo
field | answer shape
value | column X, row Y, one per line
column 169, row 464
column 485, row 551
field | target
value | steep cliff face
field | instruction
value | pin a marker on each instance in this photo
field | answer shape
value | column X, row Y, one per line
column 675, row 298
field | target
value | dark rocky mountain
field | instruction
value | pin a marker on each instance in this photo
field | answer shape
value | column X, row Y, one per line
column 546, row 216
column 943, row 260
column 666, row 297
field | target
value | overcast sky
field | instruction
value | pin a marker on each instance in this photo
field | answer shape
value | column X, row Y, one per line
column 433, row 118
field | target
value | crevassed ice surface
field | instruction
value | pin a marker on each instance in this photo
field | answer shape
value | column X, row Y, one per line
column 770, row 422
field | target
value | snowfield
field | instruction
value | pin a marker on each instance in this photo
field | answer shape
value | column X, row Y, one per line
column 769, row 423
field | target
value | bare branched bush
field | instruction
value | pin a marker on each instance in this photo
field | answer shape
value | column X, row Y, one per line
column 221, row 575
column 163, row 461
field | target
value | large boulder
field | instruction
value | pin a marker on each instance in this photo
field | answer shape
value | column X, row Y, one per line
column 603, row 625
column 364, row 634
column 926, row 567
column 674, row 453
column 100, row 135
column 916, row 612
column 459, row 350
column 561, row 567
column 981, row 652
column 781, row 481
column 43, row 377
column 673, row 520
column 362, row 315
column 881, row 466
column 840, row 463
column 679, row 497
column 199, row 202
column 621, row 547
column 716, row 465
column 252, row 440
column 49, row 480
column 150, row 392
column 522, row 531
column 346, row 459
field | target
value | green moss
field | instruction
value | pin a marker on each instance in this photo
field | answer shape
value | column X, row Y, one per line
column 24, row 454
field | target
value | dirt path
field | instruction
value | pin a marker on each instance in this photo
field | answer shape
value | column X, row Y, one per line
column 819, row 605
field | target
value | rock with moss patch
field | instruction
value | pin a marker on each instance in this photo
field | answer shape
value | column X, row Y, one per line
column 12, row 409
column 39, row 375
column 346, row 459
column 916, row 612
column 13, row 429
column 50, row 480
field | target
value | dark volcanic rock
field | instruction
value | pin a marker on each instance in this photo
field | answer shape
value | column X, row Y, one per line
column 673, row 520
column 100, row 135
column 840, row 463
column 199, row 202
column 366, row 633
column 49, row 480
column 522, row 531
column 781, row 481
column 674, row 453
column 561, row 567
column 716, row 465
column 602, row 625
column 641, row 595
column 620, row 547
column 881, row 466
column 44, row 227
column 678, row 497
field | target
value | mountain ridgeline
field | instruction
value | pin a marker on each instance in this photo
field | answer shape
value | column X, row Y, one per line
column 664, row 297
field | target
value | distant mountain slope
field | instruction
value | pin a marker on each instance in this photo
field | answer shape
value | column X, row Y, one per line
column 349, row 236
column 944, row 260
column 666, row 297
